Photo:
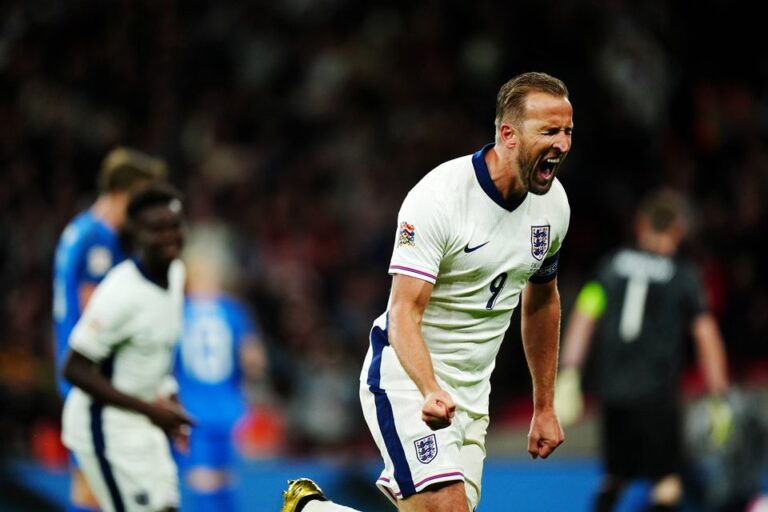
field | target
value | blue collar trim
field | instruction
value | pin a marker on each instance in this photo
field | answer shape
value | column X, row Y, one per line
column 486, row 183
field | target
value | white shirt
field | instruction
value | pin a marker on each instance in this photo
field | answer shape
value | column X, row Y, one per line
column 129, row 327
column 456, row 231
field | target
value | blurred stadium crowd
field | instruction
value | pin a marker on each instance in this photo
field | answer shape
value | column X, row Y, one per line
column 298, row 126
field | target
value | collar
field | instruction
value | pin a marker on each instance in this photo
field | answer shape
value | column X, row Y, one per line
column 486, row 183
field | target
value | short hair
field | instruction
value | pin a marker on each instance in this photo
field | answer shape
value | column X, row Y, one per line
column 663, row 208
column 510, row 102
column 123, row 168
column 160, row 193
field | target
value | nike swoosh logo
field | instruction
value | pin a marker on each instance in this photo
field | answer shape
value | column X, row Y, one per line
column 469, row 249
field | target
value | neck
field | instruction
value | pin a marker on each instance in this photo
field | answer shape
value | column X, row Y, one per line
column 108, row 209
column 203, row 287
column 658, row 243
column 505, row 173
column 154, row 270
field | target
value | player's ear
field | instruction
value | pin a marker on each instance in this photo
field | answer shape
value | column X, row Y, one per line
column 508, row 135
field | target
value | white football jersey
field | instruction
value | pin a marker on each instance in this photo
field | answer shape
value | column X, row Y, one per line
column 455, row 230
column 129, row 327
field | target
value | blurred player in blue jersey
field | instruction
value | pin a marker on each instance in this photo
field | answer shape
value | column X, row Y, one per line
column 472, row 244
column 220, row 350
column 90, row 246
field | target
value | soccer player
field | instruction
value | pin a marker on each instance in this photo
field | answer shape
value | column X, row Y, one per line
column 120, row 410
column 89, row 246
column 475, row 236
column 219, row 349
column 640, row 306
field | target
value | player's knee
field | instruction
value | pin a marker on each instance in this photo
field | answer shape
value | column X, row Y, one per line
column 438, row 498
column 207, row 480
column 667, row 490
column 453, row 496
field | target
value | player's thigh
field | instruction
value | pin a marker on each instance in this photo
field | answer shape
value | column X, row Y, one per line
column 415, row 457
column 147, row 476
column 92, row 470
column 472, row 456
column 447, row 496
column 80, row 492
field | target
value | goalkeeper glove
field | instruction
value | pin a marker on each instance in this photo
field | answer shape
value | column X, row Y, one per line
column 720, row 421
column 569, row 401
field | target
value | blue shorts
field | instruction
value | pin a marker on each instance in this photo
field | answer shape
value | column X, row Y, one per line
column 210, row 447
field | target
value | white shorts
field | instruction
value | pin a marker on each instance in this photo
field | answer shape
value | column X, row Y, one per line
column 416, row 457
column 142, row 478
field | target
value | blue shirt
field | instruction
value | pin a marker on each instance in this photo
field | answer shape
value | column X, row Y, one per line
column 208, row 366
column 88, row 248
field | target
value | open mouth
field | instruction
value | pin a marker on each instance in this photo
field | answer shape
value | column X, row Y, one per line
column 548, row 167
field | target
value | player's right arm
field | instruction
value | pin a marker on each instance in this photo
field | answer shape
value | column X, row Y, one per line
column 86, row 375
column 408, row 300
column 103, row 325
column 712, row 360
column 711, row 353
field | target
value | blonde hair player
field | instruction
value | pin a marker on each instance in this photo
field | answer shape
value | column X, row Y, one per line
column 475, row 237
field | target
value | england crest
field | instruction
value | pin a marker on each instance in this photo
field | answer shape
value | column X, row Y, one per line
column 426, row 448
column 539, row 241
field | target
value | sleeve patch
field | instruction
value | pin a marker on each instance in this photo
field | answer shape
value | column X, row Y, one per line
column 407, row 236
column 99, row 260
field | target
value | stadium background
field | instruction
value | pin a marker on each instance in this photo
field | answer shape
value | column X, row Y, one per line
column 299, row 125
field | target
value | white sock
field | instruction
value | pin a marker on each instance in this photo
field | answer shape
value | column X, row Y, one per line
column 326, row 506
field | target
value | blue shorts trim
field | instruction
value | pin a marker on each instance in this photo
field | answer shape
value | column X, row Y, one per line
column 385, row 416
column 100, row 447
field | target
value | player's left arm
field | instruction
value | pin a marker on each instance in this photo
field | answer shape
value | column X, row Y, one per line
column 540, row 323
column 705, row 333
column 711, row 353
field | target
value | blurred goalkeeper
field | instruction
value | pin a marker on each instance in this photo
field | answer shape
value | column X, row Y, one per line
column 640, row 306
